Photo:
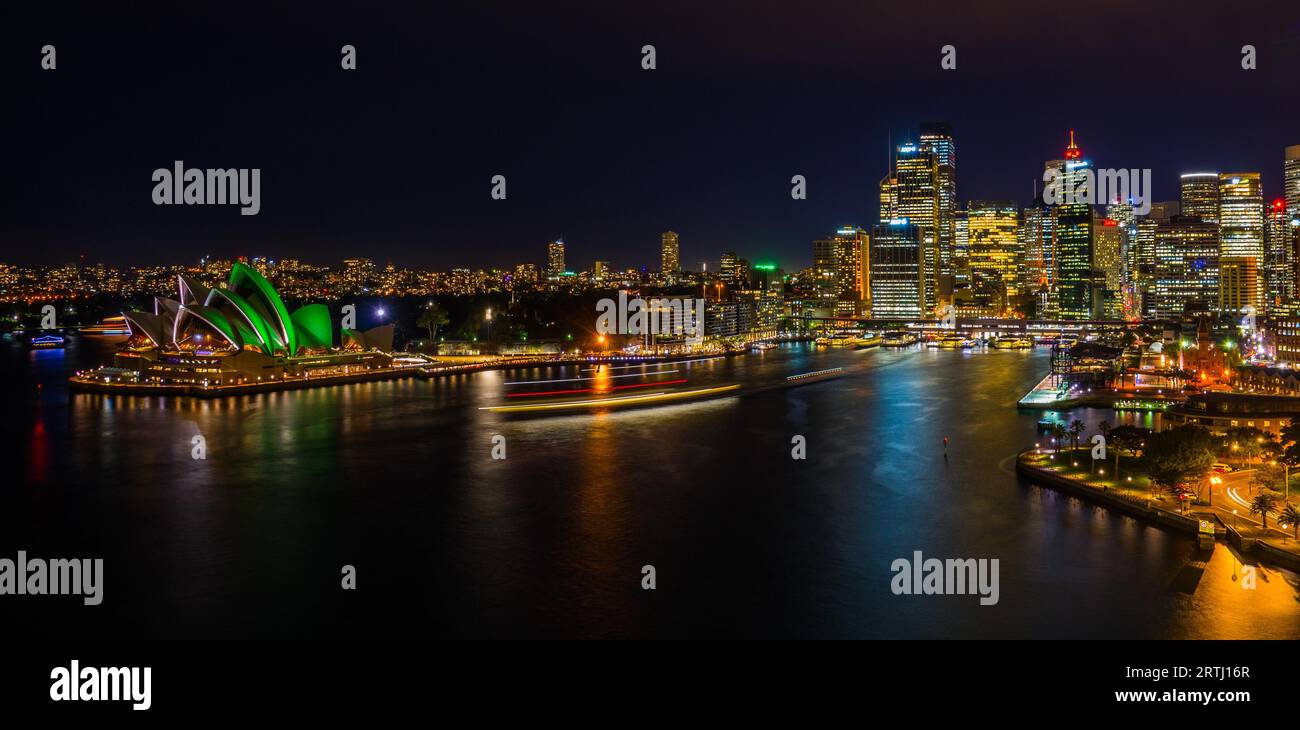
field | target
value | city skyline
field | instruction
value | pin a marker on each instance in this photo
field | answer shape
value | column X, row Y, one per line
column 411, row 182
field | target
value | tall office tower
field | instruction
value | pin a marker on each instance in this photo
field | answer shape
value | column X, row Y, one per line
column 1241, row 217
column 1291, row 180
column 1186, row 266
column 917, row 193
column 670, row 253
column 1037, row 236
column 1238, row 277
column 1123, row 213
column 1144, row 257
column 841, row 267
column 889, row 196
column 995, row 250
column 740, row 274
column 727, row 268
column 555, row 259
column 1077, row 283
column 1200, row 195
column 897, row 271
column 937, row 138
column 1108, row 260
column 600, row 270
column 1279, row 256
column 960, row 250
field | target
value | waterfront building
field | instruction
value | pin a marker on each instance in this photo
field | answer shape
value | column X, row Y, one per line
column 936, row 137
column 727, row 268
column 1186, row 266
column 239, row 334
column 917, row 196
column 843, row 276
column 896, row 274
column 670, row 254
column 995, row 249
column 1200, row 195
column 1037, row 238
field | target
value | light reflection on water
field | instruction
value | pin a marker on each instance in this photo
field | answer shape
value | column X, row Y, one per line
column 396, row 477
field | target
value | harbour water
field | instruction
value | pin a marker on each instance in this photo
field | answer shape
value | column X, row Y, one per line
column 397, row 479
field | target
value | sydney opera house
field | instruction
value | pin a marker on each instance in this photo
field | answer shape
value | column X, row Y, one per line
column 238, row 337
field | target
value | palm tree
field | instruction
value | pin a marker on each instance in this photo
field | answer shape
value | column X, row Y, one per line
column 1076, row 430
column 1292, row 515
column 1263, row 504
column 1058, row 435
column 432, row 318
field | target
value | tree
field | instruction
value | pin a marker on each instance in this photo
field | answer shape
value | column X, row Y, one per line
column 1179, row 455
column 1291, row 516
column 1123, row 438
column 1271, row 476
column 1058, row 435
column 1290, row 439
column 432, row 318
column 1263, row 504
column 1076, row 431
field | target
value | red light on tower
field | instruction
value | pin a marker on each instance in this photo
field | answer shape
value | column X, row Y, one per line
column 1072, row 152
column 1279, row 204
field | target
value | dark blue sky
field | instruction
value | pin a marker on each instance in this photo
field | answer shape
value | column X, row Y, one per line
column 393, row 161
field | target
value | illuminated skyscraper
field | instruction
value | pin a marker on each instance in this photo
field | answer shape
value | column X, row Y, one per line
column 1077, row 283
column 1144, row 257
column 1108, row 261
column 1186, row 266
column 1200, row 195
column 1238, row 277
column 1241, row 217
column 841, row 266
column 555, row 259
column 936, row 137
column 727, row 268
column 917, row 193
column 1037, row 237
column 995, row 250
column 670, row 253
column 1291, row 180
column 896, row 271
column 1279, row 255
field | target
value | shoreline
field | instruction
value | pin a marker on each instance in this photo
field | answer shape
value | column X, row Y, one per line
column 1157, row 517
column 425, row 372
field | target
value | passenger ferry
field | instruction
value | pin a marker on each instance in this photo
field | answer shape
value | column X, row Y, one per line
column 761, row 346
column 47, row 342
column 953, row 342
column 869, row 339
column 897, row 339
column 1013, row 343
column 840, row 339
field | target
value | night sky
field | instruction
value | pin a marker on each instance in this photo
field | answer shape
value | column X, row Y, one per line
column 393, row 161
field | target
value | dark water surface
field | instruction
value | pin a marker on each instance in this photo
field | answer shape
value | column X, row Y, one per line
column 397, row 479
